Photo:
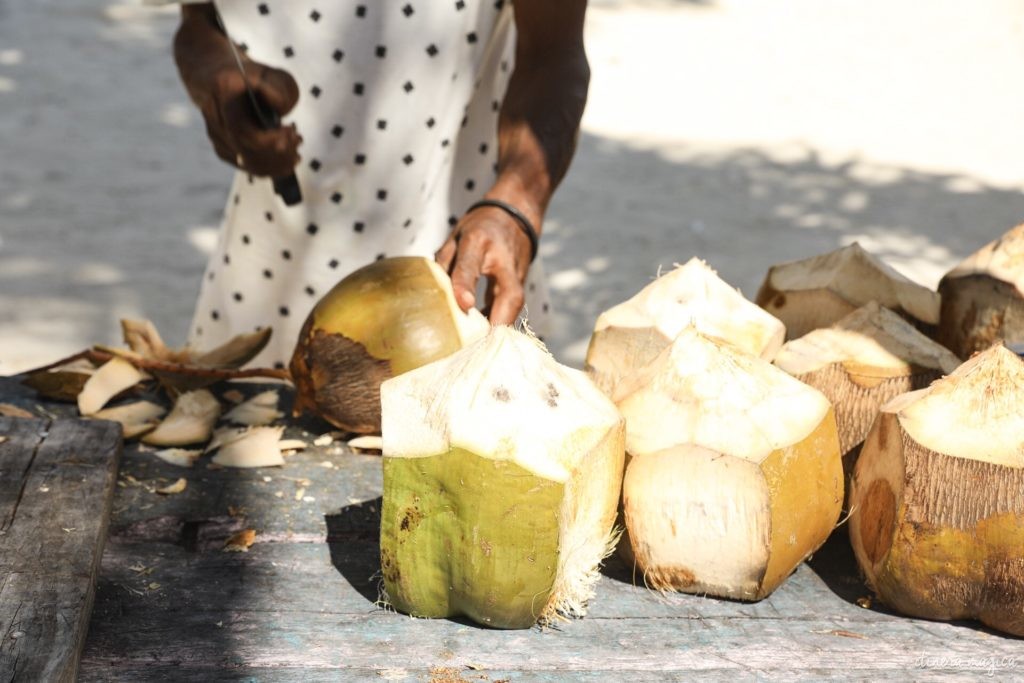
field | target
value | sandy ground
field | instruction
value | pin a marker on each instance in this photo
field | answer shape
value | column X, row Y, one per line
column 747, row 132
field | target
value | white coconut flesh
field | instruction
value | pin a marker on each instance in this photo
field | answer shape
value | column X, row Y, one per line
column 734, row 474
column 816, row 292
column 505, row 399
column 870, row 338
column 629, row 335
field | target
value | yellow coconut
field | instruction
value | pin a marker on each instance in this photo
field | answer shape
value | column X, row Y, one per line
column 983, row 297
column 937, row 501
column 384, row 319
column 733, row 475
column 816, row 292
column 859, row 363
column 629, row 335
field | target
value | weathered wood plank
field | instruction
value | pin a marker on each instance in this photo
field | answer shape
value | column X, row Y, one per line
column 229, row 639
column 52, row 539
column 284, row 606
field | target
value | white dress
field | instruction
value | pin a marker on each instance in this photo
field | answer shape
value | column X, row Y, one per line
column 398, row 111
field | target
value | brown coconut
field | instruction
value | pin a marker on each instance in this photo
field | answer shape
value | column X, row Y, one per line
column 628, row 336
column 380, row 321
column 937, row 521
column 733, row 475
column 983, row 297
column 859, row 363
column 816, row 292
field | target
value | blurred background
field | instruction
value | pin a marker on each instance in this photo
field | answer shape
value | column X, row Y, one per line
column 746, row 132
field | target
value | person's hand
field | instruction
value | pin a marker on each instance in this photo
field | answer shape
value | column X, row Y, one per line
column 487, row 242
column 214, row 82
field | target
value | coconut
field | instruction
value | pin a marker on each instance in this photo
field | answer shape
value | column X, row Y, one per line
column 859, row 363
column 983, row 297
column 937, row 521
column 502, row 472
column 629, row 335
column 733, row 473
column 818, row 291
column 382, row 320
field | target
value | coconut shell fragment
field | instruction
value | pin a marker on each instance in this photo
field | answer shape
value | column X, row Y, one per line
column 937, row 501
column 818, row 291
column 108, row 381
column 628, row 336
column 190, row 421
column 983, row 297
column 136, row 418
column 384, row 319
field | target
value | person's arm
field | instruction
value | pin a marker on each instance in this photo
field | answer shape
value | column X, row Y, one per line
column 537, row 131
column 211, row 76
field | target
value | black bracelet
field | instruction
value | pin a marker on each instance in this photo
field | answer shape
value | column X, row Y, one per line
column 524, row 223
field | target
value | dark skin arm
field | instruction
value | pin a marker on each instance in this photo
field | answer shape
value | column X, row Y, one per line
column 215, row 84
column 537, row 131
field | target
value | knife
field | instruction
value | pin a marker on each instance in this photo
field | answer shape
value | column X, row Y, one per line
column 287, row 187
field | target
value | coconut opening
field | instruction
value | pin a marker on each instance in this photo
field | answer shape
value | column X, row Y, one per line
column 973, row 413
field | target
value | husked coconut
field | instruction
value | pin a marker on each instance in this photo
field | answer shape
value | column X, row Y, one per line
column 502, row 471
column 384, row 319
column 937, row 502
column 629, row 335
column 818, row 291
column 108, row 381
column 862, row 361
column 191, row 420
column 733, row 473
column 983, row 297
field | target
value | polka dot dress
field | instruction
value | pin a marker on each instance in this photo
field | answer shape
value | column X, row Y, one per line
column 398, row 112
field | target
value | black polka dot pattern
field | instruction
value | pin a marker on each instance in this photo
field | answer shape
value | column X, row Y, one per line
column 394, row 97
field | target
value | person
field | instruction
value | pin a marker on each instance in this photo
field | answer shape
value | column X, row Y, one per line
column 399, row 117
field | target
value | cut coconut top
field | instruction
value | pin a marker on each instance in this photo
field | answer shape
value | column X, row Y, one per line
column 111, row 379
column 871, row 336
column 858, row 277
column 503, row 397
column 974, row 413
column 705, row 392
column 694, row 293
column 1002, row 259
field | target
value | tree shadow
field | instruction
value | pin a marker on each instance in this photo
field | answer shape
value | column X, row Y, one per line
column 627, row 210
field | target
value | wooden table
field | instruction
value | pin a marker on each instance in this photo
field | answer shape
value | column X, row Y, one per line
column 301, row 604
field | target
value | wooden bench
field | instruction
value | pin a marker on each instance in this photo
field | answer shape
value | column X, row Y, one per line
column 56, row 486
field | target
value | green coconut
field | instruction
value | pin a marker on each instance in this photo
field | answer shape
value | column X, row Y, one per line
column 384, row 319
column 502, row 472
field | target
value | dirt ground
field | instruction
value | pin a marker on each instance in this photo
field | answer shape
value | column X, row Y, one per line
column 747, row 132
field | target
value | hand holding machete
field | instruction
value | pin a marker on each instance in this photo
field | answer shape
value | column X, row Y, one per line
column 241, row 100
